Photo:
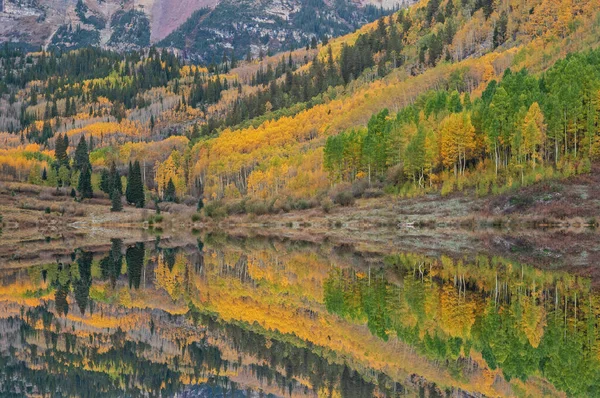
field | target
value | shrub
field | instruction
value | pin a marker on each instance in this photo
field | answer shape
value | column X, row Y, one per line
column 238, row 207
column 448, row 187
column 258, row 208
column 195, row 217
column 327, row 205
column 359, row 187
column 215, row 210
column 372, row 193
column 483, row 188
column 344, row 198
column 302, row 204
column 584, row 167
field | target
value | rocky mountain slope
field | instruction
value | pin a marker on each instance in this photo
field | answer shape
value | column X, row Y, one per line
column 202, row 28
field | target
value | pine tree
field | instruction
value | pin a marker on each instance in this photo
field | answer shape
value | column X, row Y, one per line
column 115, row 179
column 115, row 200
column 105, row 182
column 82, row 157
column 170, row 194
column 200, row 204
column 85, row 183
column 128, row 192
column 137, row 189
column 60, row 152
column 44, row 175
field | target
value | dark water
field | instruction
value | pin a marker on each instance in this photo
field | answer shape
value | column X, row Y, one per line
column 229, row 317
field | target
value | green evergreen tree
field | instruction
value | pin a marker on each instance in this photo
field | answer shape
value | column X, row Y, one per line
column 135, row 187
column 82, row 157
column 115, row 179
column 85, row 183
column 60, row 151
column 170, row 194
column 128, row 194
column 115, row 200
column 105, row 182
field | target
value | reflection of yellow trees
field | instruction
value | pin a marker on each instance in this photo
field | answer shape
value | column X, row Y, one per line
column 533, row 320
column 458, row 312
column 172, row 280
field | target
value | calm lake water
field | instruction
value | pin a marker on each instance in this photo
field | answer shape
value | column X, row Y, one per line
column 233, row 317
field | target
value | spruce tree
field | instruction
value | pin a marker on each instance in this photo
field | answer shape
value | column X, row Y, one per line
column 137, row 186
column 115, row 199
column 200, row 204
column 170, row 194
column 82, row 157
column 105, row 182
column 60, row 152
column 85, row 183
column 115, row 179
column 128, row 192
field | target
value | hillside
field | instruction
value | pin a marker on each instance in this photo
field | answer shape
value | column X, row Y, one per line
column 442, row 97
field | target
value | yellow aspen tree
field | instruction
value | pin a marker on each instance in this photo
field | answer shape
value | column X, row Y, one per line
column 457, row 141
column 534, row 132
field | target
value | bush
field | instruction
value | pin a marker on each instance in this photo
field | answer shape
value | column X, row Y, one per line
column 483, row 188
column 302, row 204
column 195, row 217
column 344, row 198
column 327, row 205
column 372, row 193
column 448, row 187
column 359, row 187
column 215, row 210
column 584, row 167
column 258, row 208
column 236, row 207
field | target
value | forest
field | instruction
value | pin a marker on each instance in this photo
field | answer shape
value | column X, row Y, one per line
column 441, row 97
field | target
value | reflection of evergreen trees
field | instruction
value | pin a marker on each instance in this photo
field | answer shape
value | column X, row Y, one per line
column 81, row 287
column 135, row 262
column 112, row 263
column 169, row 256
column 60, row 296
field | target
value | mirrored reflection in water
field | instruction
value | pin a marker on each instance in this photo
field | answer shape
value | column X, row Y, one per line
column 243, row 318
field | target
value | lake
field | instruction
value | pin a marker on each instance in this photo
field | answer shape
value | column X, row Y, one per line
column 218, row 315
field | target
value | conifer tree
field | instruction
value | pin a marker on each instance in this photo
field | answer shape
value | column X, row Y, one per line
column 138, row 186
column 115, row 179
column 105, row 182
column 60, row 152
column 85, row 183
column 170, row 194
column 115, row 200
column 128, row 194
column 82, row 158
column 135, row 186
